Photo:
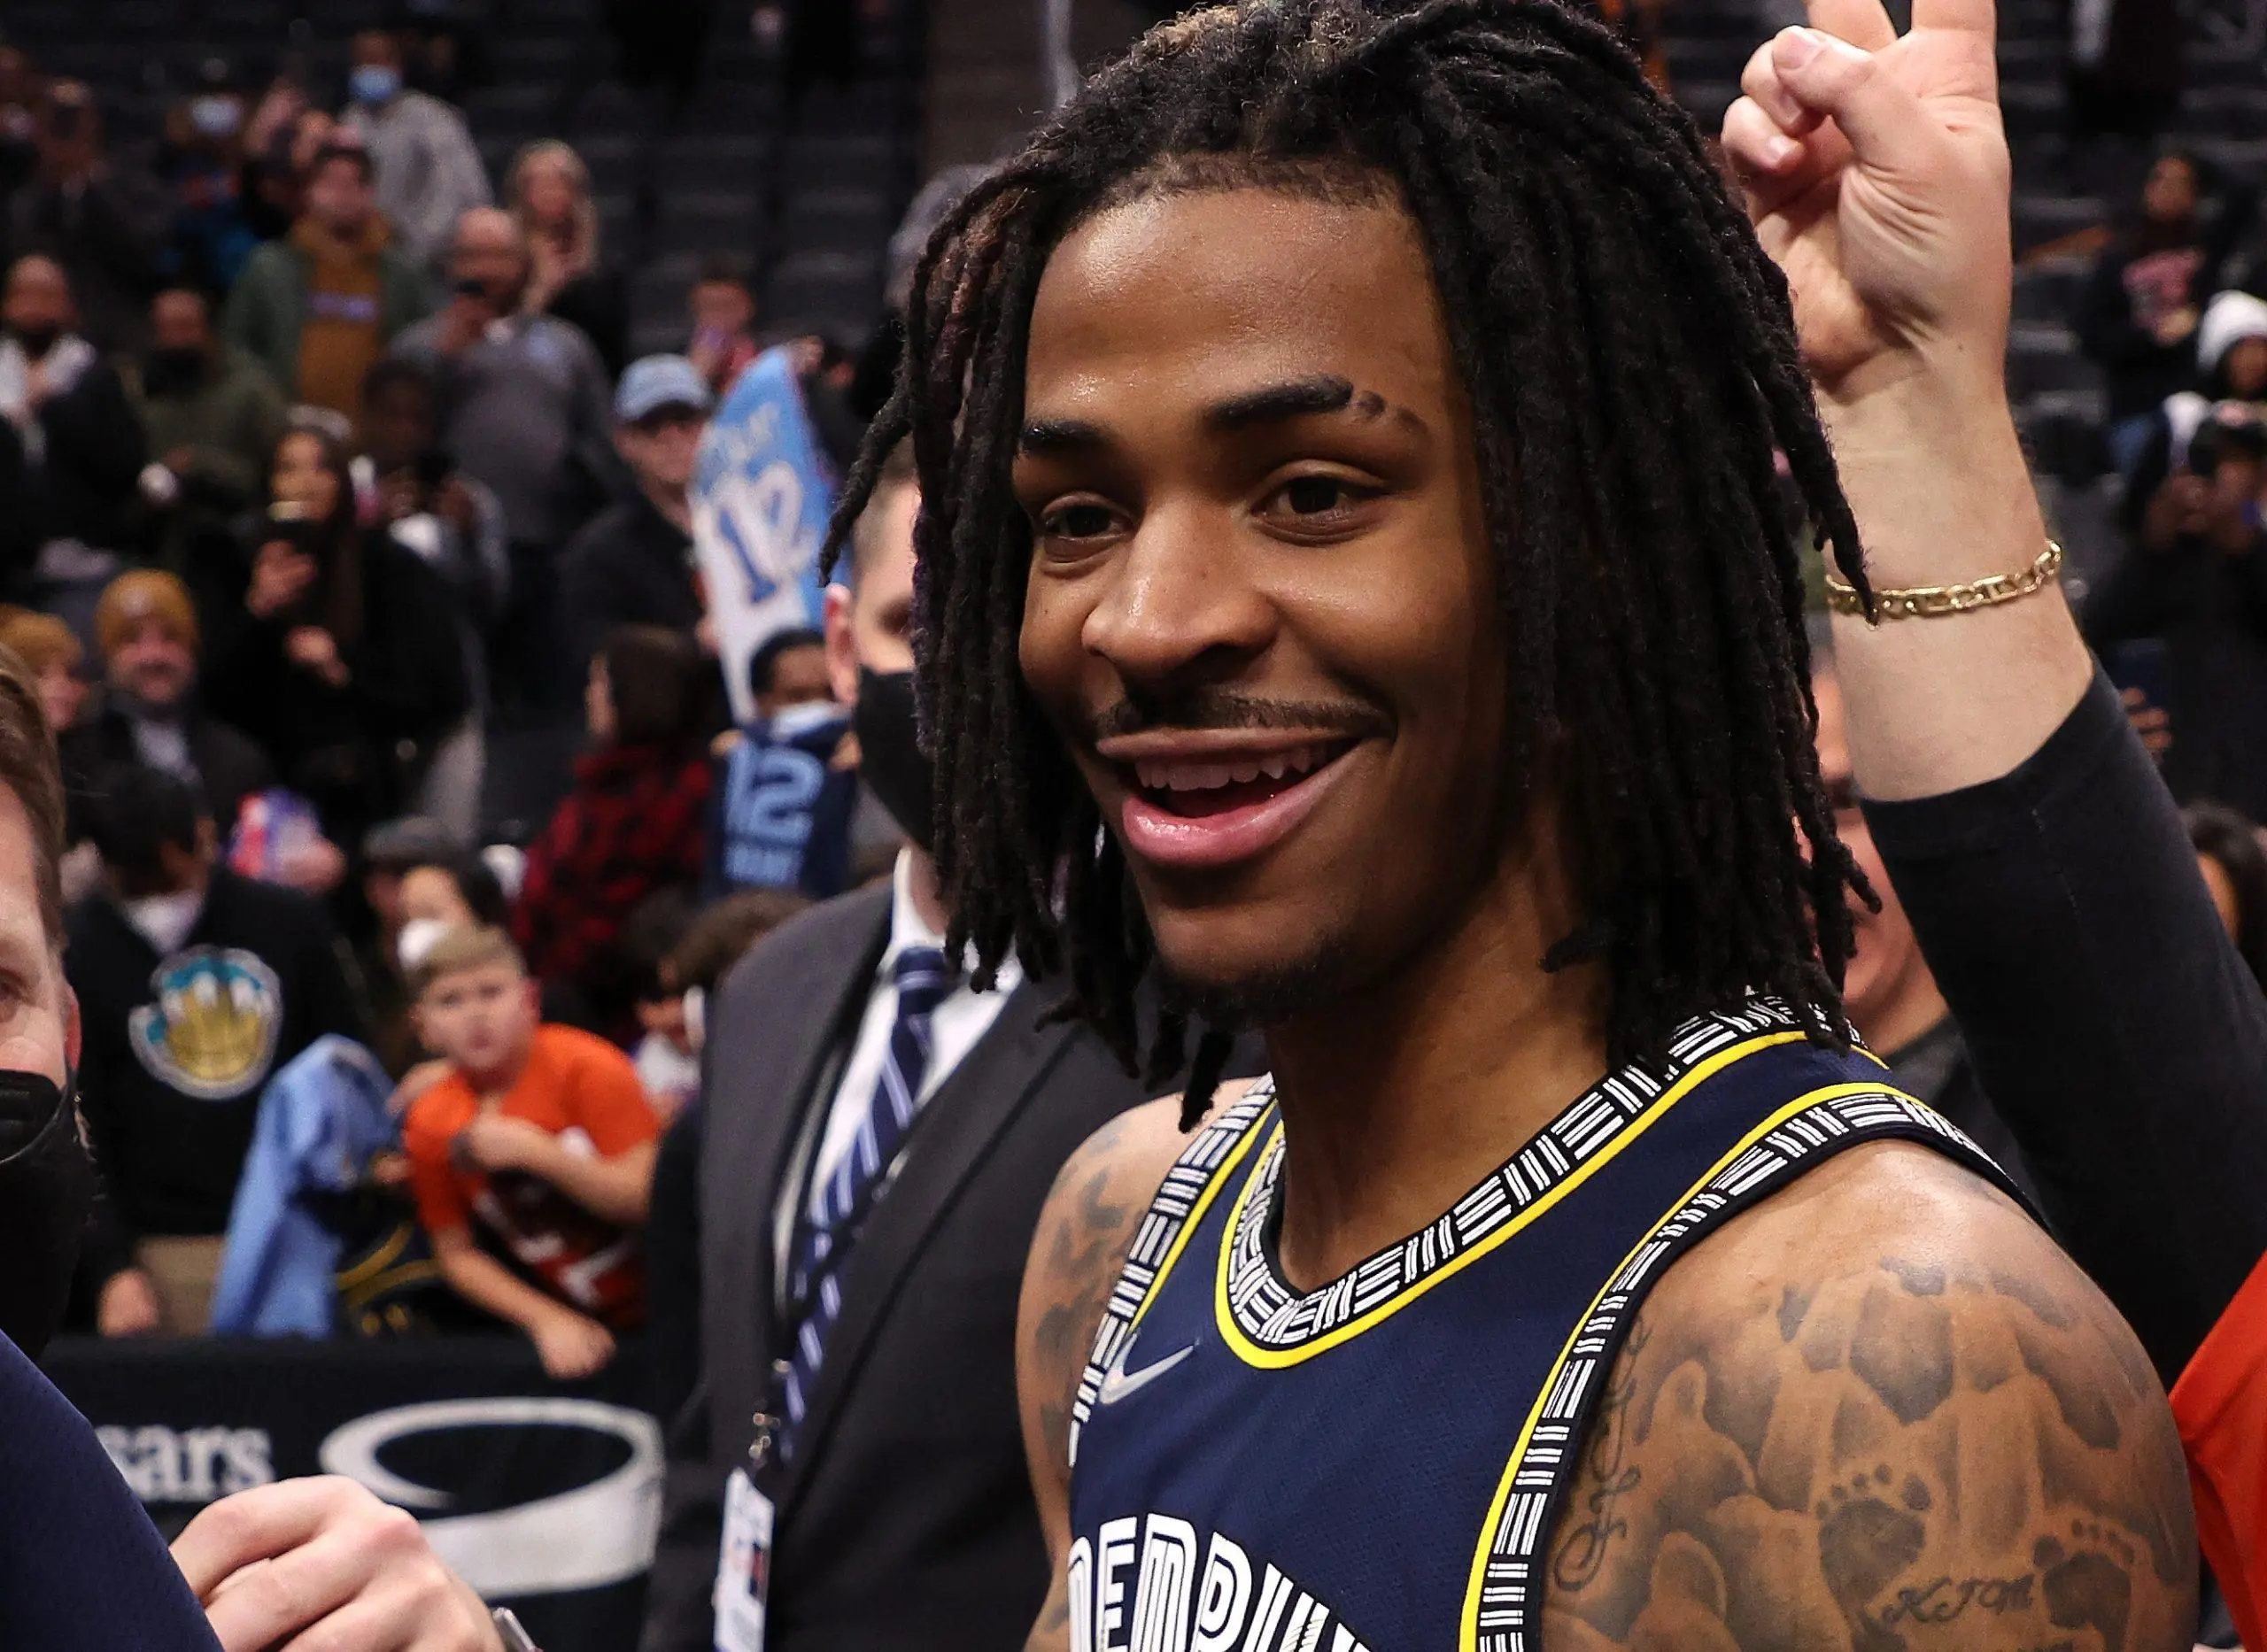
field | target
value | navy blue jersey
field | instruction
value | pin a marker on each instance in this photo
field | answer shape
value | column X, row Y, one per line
column 780, row 815
column 1375, row 1464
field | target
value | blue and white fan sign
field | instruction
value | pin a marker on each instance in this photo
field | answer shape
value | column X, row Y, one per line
column 761, row 493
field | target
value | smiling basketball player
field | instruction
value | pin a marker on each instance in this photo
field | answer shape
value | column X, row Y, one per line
column 1352, row 579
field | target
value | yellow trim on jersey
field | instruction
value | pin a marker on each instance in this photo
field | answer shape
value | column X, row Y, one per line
column 1278, row 1358
column 1196, row 1212
column 1468, row 1629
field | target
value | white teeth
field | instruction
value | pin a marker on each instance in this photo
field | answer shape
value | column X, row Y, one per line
column 1166, row 774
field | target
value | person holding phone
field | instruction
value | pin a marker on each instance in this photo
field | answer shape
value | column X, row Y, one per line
column 344, row 656
column 528, row 415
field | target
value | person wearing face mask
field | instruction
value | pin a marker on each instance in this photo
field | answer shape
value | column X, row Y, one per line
column 429, row 173
column 68, row 433
column 201, row 163
column 903, row 1279
column 786, row 781
column 197, row 986
column 528, row 412
column 213, row 417
column 82, row 1568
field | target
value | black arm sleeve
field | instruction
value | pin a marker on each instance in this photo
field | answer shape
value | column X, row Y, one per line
column 2112, row 1021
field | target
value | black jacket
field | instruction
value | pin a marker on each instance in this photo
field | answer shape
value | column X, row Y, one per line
column 230, row 768
column 171, row 1075
column 356, row 751
column 905, row 1517
column 83, row 485
column 630, row 565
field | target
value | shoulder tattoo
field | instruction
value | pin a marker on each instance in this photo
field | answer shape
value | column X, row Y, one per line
column 1897, row 1457
column 1092, row 1214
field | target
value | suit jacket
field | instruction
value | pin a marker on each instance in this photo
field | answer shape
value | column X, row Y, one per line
column 905, row 1517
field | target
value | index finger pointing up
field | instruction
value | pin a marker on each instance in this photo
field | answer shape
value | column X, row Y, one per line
column 1862, row 22
column 1975, row 17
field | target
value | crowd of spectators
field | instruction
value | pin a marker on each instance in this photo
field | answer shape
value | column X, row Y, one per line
column 325, row 472
column 324, row 468
column 2173, row 315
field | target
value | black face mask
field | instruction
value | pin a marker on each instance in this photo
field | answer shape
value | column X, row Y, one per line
column 47, row 1187
column 38, row 338
column 889, row 752
column 170, row 371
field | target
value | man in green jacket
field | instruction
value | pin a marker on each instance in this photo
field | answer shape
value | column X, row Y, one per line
column 318, row 306
column 214, row 418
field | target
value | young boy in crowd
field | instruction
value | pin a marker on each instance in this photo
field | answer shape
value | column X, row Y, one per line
column 543, row 1136
column 781, row 810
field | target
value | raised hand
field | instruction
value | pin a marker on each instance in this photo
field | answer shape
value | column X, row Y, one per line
column 1877, row 174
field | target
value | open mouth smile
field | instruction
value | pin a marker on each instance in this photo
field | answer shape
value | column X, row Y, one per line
column 1206, row 801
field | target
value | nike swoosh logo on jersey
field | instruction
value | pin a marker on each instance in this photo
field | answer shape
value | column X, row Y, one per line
column 1118, row 1382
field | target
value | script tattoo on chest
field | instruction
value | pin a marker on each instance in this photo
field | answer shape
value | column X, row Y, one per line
column 1608, row 1476
column 1083, row 1257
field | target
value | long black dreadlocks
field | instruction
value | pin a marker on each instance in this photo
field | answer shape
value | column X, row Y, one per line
column 1630, row 357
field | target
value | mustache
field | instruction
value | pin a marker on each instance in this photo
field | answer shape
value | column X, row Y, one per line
column 1196, row 709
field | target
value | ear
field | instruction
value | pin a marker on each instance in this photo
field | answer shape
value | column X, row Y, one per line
column 838, row 618
column 533, row 989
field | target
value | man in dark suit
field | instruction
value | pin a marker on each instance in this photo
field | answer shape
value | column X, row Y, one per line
column 878, row 1140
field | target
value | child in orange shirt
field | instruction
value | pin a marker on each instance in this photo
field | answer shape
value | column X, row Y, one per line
column 544, row 1136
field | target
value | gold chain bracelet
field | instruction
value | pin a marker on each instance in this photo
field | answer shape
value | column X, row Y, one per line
column 1931, row 602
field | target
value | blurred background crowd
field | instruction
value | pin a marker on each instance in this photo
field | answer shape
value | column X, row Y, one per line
column 354, row 360
column 367, row 372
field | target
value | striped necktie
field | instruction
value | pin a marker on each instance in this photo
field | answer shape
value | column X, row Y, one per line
column 823, row 1235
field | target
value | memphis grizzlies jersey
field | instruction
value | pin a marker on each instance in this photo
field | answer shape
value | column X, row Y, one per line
column 1375, row 1466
